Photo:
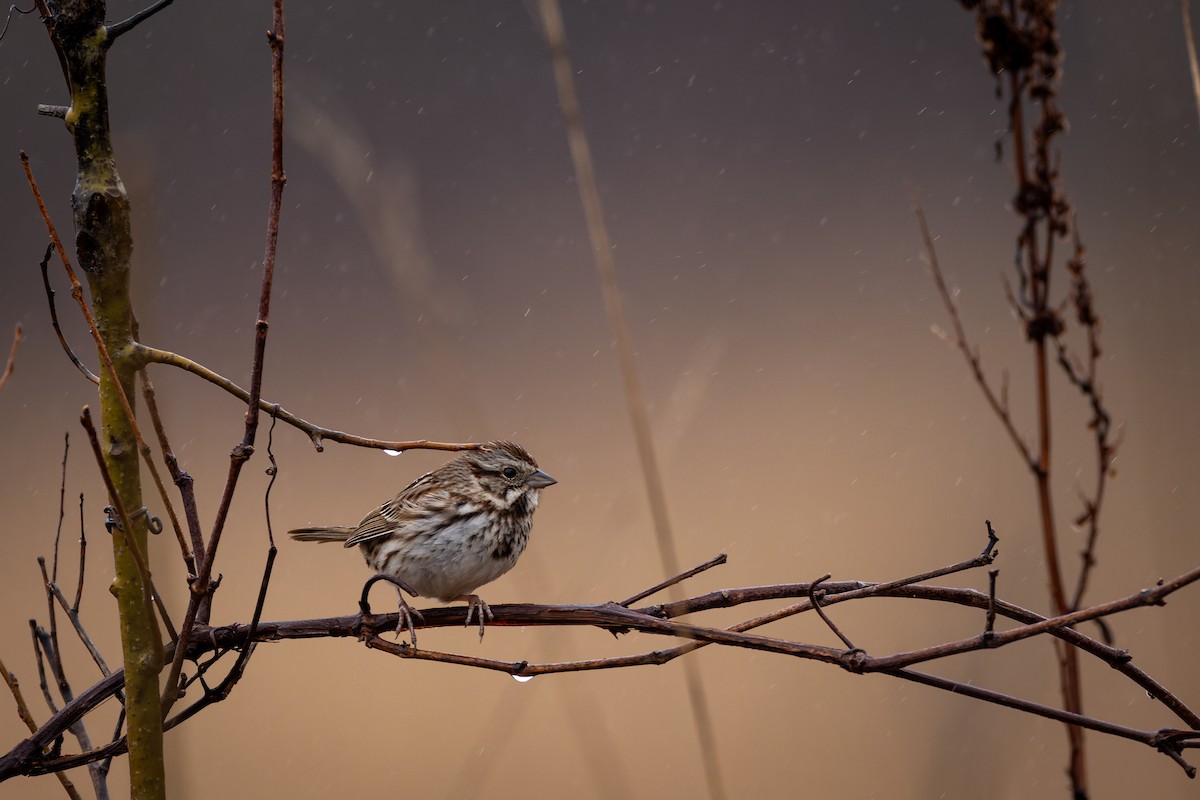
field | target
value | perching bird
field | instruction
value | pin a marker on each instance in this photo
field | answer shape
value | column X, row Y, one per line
column 451, row 530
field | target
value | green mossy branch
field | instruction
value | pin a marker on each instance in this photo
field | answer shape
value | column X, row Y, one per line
column 104, row 246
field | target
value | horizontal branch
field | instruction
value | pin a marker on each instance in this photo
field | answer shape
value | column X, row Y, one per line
column 658, row 619
column 316, row 433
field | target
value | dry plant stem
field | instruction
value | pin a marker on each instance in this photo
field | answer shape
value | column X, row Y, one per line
column 316, row 433
column 1190, row 36
column 581, row 157
column 1039, row 24
column 18, row 334
column 44, row 265
column 1083, row 376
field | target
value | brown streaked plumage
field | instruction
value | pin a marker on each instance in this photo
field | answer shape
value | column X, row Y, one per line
column 451, row 530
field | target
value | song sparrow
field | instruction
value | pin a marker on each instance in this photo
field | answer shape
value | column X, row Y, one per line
column 450, row 531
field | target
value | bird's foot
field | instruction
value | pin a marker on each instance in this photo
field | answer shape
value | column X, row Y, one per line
column 404, row 621
column 407, row 612
column 478, row 609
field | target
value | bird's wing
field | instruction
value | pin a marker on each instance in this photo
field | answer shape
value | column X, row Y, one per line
column 416, row 501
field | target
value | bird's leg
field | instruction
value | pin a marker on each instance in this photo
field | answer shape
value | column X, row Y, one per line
column 405, row 619
column 407, row 612
column 476, row 608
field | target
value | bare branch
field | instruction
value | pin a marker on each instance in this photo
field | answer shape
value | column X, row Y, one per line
column 8, row 19
column 118, row 29
column 15, row 688
column 82, row 558
column 683, row 576
column 77, row 623
column 182, row 480
column 18, row 334
column 23, row 710
column 62, row 340
column 316, row 433
column 998, row 403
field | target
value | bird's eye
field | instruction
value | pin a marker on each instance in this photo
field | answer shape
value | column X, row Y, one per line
column 509, row 472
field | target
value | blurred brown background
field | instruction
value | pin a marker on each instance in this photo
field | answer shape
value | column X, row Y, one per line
column 435, row 281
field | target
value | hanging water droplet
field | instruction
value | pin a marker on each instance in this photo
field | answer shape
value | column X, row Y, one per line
column 522, row 678
column 393, row 452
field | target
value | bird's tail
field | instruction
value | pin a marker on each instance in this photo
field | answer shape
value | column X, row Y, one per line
column 325, row 533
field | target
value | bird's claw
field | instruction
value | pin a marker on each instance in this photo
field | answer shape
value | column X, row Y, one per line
column 404, row 622
column 476, row 608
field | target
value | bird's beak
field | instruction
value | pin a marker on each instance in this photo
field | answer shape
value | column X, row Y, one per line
column 539, row 480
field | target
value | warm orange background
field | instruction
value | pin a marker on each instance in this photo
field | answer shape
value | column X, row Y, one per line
column 435, row 281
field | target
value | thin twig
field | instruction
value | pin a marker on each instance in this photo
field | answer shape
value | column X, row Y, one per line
column 42, row 640
column 14, row 686
column 990, row 620
column 998, row 402
column 182, row 479
column 8, row 20
column 245, row 448
column 316, row 433
column 123, row 27
column 82, row 558
column 814, row 599
column 77, row 623
column 18, row 334
column 23, row 712
column 41, row 669
column 62, row 499
column 49, row 606
column 683, row 576
column 44, row 265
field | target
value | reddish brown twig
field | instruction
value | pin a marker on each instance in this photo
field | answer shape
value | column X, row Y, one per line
column 182, row 480
column 23, row 712
column 18, row 334
column 245, row 448
column 316, row 433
